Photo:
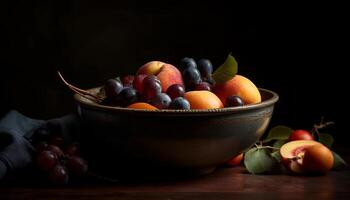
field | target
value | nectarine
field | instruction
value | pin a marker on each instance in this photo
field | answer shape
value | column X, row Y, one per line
column 203, row 100
column 142, row 105
column 238, row 86
column 306, row 156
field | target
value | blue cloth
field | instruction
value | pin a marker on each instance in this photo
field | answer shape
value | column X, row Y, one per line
column 16, row 130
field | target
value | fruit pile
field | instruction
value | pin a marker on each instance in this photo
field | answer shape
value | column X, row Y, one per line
column 294, row 151
column 191, row 85
column 57, row 160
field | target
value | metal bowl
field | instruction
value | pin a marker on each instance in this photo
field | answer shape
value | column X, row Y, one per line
column 192, row 141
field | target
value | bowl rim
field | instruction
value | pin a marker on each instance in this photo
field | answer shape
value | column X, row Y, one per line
column 83, row 101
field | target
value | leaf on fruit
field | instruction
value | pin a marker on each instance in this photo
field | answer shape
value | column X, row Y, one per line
column 279, row 143
column 226, row 71
column 338, row 163
column 278, row 133
column 259, row 160
column 326, row 139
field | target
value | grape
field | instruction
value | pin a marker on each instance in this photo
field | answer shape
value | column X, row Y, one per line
column 46, row 160
column 113, row 88
column 138, row 82
column 179, row 103
column 41, row 146
column 233, row 101
column 127, row 80
column 127, row 96
column 58, row 175
column 72, row 150
column 175, row 90
column 205, row 67
column 56, row 150
column 186, row 63
column 58, row 141
column 203, row 86
column 191, row 78
column 151, row 87
column 77, row 165
column 161, row 101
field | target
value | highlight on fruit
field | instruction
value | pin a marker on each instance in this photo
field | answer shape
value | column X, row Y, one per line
column 191, row 84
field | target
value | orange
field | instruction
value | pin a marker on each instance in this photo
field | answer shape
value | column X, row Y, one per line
column 203, row 100
column 142, row 105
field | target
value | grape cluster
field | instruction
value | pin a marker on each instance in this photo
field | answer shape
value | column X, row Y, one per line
column 197, row 75
column 57, row 160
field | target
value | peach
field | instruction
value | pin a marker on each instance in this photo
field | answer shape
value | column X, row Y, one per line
column 306, row 156
column 166, row 73
column 150, row 68
column 203, row 99
column 238, row 86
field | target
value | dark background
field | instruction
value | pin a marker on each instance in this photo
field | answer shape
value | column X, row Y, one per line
column 298, row 51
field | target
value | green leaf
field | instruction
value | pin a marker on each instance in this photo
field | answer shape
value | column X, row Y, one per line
column 258, row 161
column 277, row 156
column 279, row 143
column 278, row 133
column 226, row 71
column 326, row 139
column 338, row 163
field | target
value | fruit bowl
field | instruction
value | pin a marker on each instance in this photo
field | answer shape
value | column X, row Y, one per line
column 121, row 140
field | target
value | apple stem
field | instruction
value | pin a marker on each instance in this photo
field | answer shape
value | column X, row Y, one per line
column 79, row 91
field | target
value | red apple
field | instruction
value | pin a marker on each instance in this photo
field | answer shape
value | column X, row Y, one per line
column 300, row 135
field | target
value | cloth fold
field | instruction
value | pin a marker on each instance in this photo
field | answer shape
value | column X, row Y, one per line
column 16, row 132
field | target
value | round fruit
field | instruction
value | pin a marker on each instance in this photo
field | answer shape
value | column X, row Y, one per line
column 138, row 82
column 317, row 159
column 203, row 86
column 113, row 88
column 151, row 87
column 72, row 150
column 233, row 101
column 58, row 175
column 127, row 80
column 127, row 96
column 179, row 103
column 56, row 150
column 161, row 101
column 142, row 105
column 239, row 86
column 300, row 135
column 46, row 160
column 191, row 77
column 186, row 63
column 235, row 160
column 203, row 100
column 205, row 67
column 175, row 90
column 77, row 165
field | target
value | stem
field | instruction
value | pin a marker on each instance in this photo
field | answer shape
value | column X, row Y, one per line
column 79, row 91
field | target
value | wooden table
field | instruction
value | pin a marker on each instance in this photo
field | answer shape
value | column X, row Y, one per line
column 224, row 183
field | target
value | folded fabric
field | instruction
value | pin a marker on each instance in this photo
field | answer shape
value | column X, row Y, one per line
column 16, row 131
